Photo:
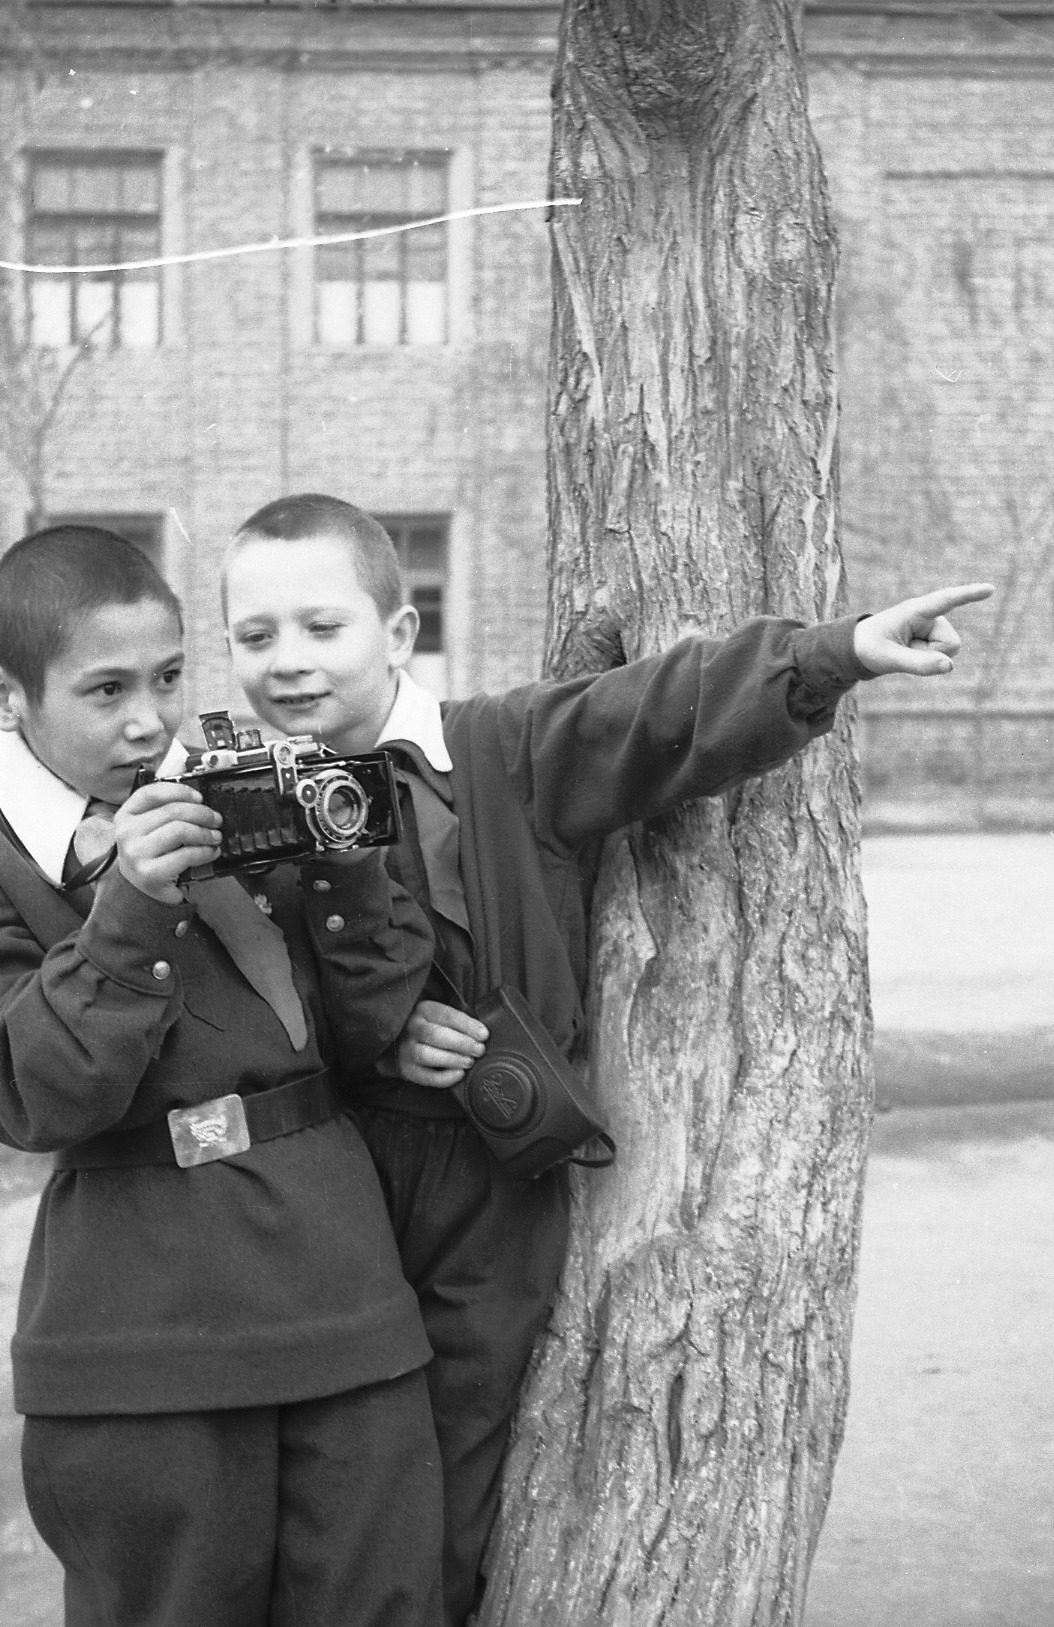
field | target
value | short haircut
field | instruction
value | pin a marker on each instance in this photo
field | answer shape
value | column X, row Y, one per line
column 300, row 518
column 52, row 578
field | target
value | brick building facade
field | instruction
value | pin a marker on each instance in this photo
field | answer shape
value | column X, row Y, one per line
column 409, row 374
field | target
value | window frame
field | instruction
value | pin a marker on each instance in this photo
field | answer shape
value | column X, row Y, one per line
column 332, row 222
column 114, row 221
column 399, row 527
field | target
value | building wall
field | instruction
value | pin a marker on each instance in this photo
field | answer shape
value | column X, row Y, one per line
column 937, row 129
column 938, row 137
column 240, row 403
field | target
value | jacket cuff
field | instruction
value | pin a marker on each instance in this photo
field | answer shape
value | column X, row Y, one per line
column 826, row 660
column 133, row 938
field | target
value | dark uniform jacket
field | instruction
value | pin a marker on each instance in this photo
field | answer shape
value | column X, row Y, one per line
column 266, row 1277
column 542, row 770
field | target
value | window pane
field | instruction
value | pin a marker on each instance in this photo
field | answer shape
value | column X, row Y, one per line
column 425, row 189
column 380, row 313
column 49, row 245
column 95, row 312
column 337, row 262
column 50, row 190
column 138, row 243
column 96, row 189
column 425, row 547
column 425, row 313
column 429, row 603
column 337, row 304
column 426, row 254
column 381, row 258
column 338, row 189
column 140, row 188
column 94, row 245
column 49, row 312
column 383, row 189
column 140, row 315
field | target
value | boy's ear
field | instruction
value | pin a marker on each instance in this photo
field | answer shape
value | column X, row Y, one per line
column 402, row 634
column 12, row 703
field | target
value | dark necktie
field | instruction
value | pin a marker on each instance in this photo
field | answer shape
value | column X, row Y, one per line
column 91, row 847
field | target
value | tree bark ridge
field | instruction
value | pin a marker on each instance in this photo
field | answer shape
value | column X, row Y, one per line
column 677, row 1438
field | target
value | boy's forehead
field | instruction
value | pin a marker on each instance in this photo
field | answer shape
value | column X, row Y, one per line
column 125, row 636
column 262, row 569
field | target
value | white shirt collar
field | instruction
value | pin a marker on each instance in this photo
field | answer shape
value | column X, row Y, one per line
column 415, row 716
column 43, row 810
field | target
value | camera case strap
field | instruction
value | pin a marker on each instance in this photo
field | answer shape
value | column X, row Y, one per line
column 523, row 1096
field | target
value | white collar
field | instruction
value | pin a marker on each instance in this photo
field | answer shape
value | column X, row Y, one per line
column 415, row 716
column 43, row 810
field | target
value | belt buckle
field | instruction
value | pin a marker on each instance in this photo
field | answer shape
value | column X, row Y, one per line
column 209, row 1131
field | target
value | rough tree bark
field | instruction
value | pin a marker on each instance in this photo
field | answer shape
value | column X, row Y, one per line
column 678, row 1433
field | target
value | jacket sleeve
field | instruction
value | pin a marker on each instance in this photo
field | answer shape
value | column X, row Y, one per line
column 373, row 947
column 596, row 753
column 80, row 1024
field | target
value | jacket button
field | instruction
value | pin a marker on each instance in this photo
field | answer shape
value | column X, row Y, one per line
column 335, row 923
column 182, row 928
column 322, row 886
column 161, row 969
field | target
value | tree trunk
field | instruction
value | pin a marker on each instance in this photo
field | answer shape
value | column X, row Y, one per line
column 678, row 1432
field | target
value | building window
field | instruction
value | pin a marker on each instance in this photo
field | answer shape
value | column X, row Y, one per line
column 89, row 209
column 147, row 531
column 386, row 290
column 421, row 543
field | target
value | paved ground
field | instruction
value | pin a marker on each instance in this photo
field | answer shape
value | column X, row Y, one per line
column 943, row 1507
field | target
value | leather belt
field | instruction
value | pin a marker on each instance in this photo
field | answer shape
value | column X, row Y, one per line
column 211, row 1130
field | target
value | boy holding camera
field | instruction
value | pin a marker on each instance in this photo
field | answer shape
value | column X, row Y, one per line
column 217, row 1356
column 500, row 794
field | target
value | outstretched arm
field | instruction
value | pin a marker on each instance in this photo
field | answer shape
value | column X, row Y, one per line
column 915, row 636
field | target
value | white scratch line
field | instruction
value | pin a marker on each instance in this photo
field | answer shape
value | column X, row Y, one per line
column 947, row 377
column 179, row 522
column 286, row 242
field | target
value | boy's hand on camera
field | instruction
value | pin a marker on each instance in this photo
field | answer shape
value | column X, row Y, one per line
column 438, row 1046
column 162, row 830
column 915, row 636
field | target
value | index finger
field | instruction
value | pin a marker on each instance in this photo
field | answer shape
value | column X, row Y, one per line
column 941, row 600
column 442, row 1016
column 160, row 794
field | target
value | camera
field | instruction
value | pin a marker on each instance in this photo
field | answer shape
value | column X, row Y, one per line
column 286, row 799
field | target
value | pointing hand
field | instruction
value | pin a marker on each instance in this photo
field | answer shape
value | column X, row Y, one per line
column 915, row 635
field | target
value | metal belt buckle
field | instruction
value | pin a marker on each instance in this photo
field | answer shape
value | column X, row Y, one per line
column 211, row 1130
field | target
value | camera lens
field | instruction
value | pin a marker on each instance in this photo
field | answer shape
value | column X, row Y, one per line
column 335, row 805
column 344, row 809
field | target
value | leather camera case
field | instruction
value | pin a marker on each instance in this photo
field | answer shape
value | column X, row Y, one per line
column 523, row 1096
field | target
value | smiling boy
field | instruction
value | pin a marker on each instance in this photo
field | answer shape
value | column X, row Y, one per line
column 217, row 1355
column 500, row 794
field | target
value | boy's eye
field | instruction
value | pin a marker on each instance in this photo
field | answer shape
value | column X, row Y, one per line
column 325, row 626
column 254, row 639
column 171, row 678
column 109, row 689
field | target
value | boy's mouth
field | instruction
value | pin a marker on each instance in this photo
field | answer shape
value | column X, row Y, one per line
column 298, row 702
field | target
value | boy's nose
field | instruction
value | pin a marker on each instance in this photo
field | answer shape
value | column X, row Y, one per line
column 288, row 655
column 144, row 723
